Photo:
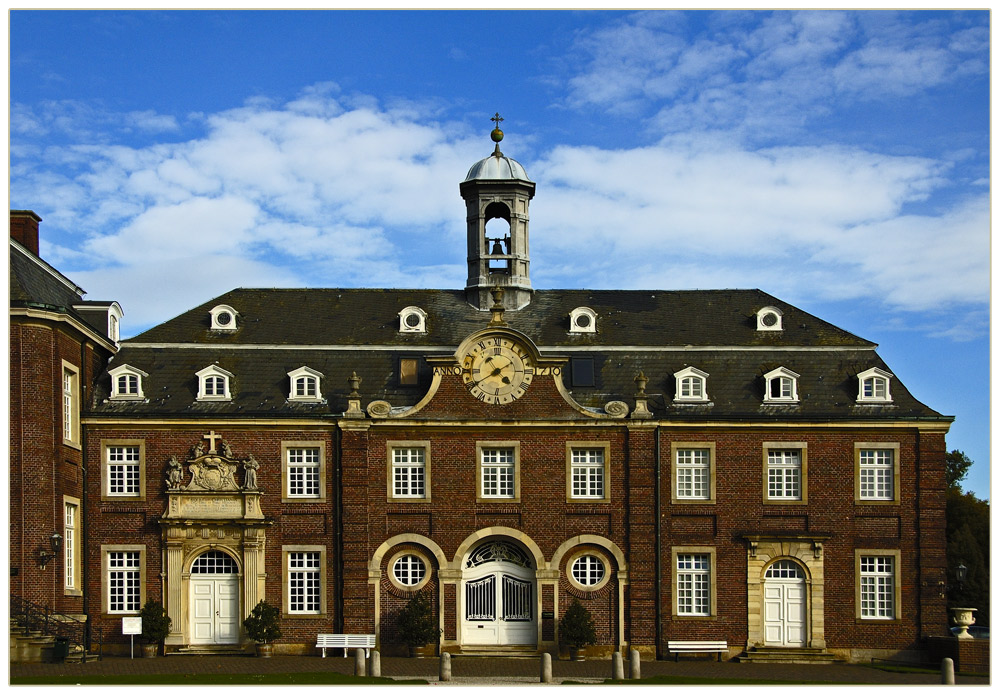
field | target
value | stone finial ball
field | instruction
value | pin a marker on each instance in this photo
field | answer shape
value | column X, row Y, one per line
column 496, row 135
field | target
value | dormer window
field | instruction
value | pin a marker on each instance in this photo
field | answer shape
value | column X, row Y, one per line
column 223, row 318
column 769, row 319
column 781, row 386
column 126, row 383
column 873, row 386
column 691, row 386
column 305, row 384
column 214, row 384
column 413, row 319
column 583, row 320
column 114, row 322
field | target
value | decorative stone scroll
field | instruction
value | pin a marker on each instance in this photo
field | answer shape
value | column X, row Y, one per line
column 379, row 409
column 616, row 408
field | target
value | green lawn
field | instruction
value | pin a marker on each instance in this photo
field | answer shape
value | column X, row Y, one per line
column 308, row 678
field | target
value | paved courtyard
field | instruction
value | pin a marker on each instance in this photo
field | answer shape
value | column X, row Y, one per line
column 489, row 671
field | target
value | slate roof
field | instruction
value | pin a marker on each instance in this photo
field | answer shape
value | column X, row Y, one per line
column 35, row 282
column 338, row 331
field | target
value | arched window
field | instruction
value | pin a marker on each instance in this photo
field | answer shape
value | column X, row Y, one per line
column 214, row 562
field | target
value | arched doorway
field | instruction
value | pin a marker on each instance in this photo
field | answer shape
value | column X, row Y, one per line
column 785, row 605
column 498, row 596
column 215, row 599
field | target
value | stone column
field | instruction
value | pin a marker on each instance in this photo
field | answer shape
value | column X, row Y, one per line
column 173, row 569
column 253, row 568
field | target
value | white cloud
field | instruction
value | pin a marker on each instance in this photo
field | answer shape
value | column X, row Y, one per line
column 313, row 193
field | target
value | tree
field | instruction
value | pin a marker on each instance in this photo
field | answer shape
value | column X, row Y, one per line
column 576, row 629
column 956, row 467
column 968, row 541
column 415, row 622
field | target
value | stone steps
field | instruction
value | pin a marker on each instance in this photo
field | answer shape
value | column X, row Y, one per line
column 777, row 655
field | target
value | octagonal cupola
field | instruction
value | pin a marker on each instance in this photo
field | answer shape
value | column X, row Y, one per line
column 497, row 193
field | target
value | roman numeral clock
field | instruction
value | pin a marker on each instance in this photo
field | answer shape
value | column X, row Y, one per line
column 497, row 369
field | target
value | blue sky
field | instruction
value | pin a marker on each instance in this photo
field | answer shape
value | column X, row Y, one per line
column 838, row 160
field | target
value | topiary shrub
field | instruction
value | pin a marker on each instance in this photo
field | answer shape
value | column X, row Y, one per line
column 576, row 628
column 415, row 622
column 155, row 622
column 263, row 624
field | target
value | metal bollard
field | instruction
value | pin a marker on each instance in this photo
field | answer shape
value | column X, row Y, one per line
column 617, row 669
column 445, row 669
column 633, row 665
column 375, row 664
column 545, row 676
column 947, row 671
column 359, row 662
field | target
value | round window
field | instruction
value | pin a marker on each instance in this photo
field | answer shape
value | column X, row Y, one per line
column 223, row 318
column 409, row 570
column 412, row 320
column 588, row 570
column 769, row 319
column 583, row 320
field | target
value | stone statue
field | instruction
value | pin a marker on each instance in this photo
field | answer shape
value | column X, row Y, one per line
column 174, row 473
column 198, row 450
column 227, row 450
column 250, row 465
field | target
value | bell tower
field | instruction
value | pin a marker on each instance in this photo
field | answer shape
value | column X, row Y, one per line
column 497, row 188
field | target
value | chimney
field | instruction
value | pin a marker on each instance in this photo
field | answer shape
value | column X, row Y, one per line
column 24, row 229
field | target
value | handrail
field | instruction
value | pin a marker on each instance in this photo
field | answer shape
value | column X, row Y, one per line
column 33, row 617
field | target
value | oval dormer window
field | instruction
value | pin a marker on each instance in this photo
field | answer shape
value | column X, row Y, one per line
column 769, row 319
column 223, row 318
column 412, row 319
column 583, row 320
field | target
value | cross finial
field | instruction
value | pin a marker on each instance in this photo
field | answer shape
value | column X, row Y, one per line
column 497, row 119
column 211, row 437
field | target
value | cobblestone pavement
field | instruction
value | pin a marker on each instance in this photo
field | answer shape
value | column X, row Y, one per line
column 488, row 671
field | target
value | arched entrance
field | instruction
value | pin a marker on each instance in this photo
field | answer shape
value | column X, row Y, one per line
column 498, row 596
column 215, row 599
column 785, row 605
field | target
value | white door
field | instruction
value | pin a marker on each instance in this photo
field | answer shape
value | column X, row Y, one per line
column 784, row 605
column 215, row 600
column 498, row 598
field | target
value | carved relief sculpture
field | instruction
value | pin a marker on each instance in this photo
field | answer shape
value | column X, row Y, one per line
column 175, row 473
column 212, row 473
column 250, row 467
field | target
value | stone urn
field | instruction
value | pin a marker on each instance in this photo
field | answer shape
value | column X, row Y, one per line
column 963, row 618
column 150, row 651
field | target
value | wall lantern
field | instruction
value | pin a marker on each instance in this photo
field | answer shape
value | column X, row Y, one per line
column 961, row 572
column 45, row 555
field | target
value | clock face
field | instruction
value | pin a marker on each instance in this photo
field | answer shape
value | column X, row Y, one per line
column 497, row 370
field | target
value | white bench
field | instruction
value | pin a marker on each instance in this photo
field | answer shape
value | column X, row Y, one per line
column 345, row 642
column 677, row 647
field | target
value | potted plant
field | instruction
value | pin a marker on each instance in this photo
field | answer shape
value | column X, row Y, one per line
column 155, row 627
column 416, row 625
column 576, row 630
column 263, row 627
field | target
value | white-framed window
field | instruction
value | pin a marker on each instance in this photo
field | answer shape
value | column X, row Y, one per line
column 223, row 318
column 873, row 386
column 691, row 386
column 409, row 570
column 784, row 474
column 303, row 471
column 303, row 582
column 409, row 472
column 126, row 383
column 123, row 469
column 498, row 471
column 587, row 473
column 693, row 590
column 304, row 385
column 693, row 474
column 123, row 578
column 412, row 319
column 878, row 584
column 70, row 404
column 214, row 384
column 769, row 319
column 781, row 386
column 588, row 570
column 877, row 467
column 115, row 314
column 583, row 319
column 71, row 546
